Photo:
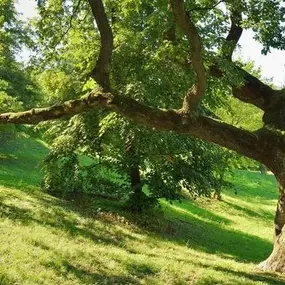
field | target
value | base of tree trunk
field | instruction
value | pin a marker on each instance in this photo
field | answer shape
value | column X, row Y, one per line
column 276, row 261
column 217, row 196
column 262, row 169
column 137, row 202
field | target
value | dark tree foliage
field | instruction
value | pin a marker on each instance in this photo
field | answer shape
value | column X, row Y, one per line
column 110, row 148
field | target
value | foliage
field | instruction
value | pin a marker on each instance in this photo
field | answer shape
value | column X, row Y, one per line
column 152, row 63
column 15, row 81
column 157, row 72
column 17, row 88
column 168, row 163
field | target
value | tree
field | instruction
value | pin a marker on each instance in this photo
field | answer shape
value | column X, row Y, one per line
column 134, row 156
column 162, row 160
column 198, row 27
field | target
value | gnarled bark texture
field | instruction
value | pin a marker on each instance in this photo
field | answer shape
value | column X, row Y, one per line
column 276, row 261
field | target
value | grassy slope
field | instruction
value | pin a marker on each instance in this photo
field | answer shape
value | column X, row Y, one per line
column 44, row 240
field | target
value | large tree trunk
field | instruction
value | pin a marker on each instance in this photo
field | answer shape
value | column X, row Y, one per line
column 276, row 261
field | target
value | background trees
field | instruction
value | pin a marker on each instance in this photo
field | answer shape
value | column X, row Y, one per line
column 17, row 89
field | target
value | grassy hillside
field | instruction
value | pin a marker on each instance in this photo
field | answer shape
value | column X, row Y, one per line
column 45, row 240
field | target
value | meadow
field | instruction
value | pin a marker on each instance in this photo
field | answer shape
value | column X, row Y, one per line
column 47, row 240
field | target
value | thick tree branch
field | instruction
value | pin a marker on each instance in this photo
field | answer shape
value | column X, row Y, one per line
column 101, row 72
column 233, row 35
column 253, row 90
column 241, row 141
column 186, row 24
column 66, row 109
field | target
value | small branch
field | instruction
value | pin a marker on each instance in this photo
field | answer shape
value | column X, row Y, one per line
column 206, row 8
column 233, row 35
column 101, row 71
column 186, row 24
column 70, row 21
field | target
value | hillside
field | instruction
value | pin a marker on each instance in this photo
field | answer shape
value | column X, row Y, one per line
column 45, row 240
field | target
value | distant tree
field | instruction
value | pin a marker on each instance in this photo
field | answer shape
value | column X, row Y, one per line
column 131, row 157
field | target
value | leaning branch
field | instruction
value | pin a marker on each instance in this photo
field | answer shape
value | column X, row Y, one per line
column 101, row 71
column 184, row 21
column 241, row 141
column 253, row 90
column 66, row 109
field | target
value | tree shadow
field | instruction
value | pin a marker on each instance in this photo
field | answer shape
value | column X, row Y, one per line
column 251, row 185
column 88, row 276
column 191, row 207
column 61, row 222
column 269, row 278
column 188, row 230
column 200, row 230
column 261, row 214
column 208, row 235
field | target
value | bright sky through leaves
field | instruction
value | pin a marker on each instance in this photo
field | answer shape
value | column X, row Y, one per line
column 272, row 65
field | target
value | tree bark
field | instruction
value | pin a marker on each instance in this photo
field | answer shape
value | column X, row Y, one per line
column 279, row 220
column 137, row 196
column 137, row 199
column 276, row 261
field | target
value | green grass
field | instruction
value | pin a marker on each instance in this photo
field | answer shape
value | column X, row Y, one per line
column 45, row 240
column 19, row 162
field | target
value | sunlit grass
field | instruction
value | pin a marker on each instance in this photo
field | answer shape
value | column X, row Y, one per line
column 45, row 240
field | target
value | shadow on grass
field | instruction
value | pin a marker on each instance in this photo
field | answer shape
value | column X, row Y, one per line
column 250, row 213
column 269, row 278
column 208, row 236
column 190, row 207
column 252, row 185
column 212, row 237
column 88, row 277
column 205, row 236
column 199, row 229
column 58, row 220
